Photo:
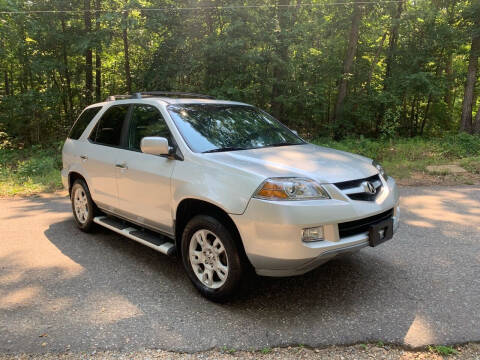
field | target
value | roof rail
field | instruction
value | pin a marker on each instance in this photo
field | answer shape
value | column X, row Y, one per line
column 118, row 97
column 139, row 95
column 171, row 94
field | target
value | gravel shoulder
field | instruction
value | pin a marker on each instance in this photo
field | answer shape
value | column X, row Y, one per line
column 359, row 352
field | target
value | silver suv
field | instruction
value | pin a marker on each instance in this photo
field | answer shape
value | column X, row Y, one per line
column 224, row 185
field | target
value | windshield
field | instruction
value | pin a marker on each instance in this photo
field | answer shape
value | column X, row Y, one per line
column 218, row 127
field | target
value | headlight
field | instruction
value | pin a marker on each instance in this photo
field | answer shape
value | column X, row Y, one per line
column 290, row 189
column 380, row 169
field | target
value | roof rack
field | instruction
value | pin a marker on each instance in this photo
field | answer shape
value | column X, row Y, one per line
column 140, row 95
column 118, row 97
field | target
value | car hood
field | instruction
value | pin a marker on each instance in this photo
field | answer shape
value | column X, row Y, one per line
column 311, row 161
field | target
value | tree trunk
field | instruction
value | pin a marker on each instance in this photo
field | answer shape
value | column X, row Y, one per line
column 412, row 116
column 88, row 54
column 12, row 83
column 450, row 83
column 280, row 73
column 466, row 119
column 210, row 58
column 126, row 51
column 392, row 43
column 7, row 84
column 476, row 128
column 425, row 117
column 67, row 75
column 375, row 61
column 279, row 68
column 98, row 54
column 347, row 63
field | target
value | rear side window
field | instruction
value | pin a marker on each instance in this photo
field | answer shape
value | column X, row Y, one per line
column 108, row 130
column 82, row 122
column 146, row 121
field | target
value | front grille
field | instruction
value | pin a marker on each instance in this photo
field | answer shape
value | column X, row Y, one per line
column 355, row 183
column 350, row 188
column 362, row 225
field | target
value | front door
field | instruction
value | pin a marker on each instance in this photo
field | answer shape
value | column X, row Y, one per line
column 143, row 180
column 100, row 153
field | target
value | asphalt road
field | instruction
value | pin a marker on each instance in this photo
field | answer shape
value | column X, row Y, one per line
column 63, row 289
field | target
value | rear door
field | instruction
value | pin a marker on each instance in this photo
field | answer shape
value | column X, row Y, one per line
column 100, row 155
column 144, row 193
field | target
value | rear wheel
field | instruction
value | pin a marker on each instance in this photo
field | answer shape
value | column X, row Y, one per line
column 83, row 207
column 211, row 258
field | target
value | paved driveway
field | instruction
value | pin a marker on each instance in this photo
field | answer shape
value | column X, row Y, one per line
column 60, row 288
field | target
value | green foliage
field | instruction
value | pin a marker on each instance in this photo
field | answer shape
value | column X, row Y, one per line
column 29, row 171
column 442, row 350
column 449, row 147
column 286, row 60
column 402, row 156
column 266, row 350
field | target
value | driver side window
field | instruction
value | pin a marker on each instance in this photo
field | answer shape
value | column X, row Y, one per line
column 146, row 120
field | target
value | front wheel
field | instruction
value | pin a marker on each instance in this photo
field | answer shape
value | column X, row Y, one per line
column 211, row 258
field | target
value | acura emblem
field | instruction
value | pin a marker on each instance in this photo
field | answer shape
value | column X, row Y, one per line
column 369, row 188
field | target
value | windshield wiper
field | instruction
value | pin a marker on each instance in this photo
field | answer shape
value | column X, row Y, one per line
column 284, row 144
column 230, row 148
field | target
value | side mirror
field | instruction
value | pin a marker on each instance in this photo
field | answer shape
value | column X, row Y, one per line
column 295, row 132
column 154, row 145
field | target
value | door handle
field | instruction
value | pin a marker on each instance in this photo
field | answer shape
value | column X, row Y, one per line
column 84, row 157
column 122, row 166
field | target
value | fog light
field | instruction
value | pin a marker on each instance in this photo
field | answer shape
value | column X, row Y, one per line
column 312, row 234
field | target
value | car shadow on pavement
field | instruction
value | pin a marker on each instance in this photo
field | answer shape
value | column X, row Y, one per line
column 350, row 287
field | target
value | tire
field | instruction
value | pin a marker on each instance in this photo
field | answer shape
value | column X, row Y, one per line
column 220, row 260
column 83, row 207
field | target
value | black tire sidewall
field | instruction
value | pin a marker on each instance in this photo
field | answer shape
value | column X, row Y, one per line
column 89, row 225
column 235, row 269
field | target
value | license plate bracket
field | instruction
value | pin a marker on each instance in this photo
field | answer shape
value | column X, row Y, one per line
column 380, row 232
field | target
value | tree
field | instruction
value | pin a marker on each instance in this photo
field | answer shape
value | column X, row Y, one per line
column 468, row 96
column 88, row 53
column 347, row 64
column 98, row 53
column 126, row 51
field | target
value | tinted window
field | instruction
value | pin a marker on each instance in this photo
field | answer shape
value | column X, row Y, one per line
column 82, row 122
column 146, row 121
column 215, row 127
column 108, row 130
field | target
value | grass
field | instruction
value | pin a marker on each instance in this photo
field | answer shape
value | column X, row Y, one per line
column 266, row 350
column 442, row 350
column 30, row 171
column 403, row 157
column 37, row 169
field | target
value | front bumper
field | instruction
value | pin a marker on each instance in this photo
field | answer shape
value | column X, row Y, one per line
column 271, row 230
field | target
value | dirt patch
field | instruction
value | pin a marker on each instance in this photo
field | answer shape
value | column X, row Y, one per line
column 426, row 179
column 57, row 193
column 446, row 169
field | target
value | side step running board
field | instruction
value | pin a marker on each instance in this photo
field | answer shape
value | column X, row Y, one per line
column 153, row 240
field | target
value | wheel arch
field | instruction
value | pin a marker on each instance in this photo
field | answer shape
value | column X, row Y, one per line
column 189, row 207
column 72, row 177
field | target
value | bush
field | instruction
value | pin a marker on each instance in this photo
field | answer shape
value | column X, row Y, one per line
column 35, row 166
column 29, row 171
column 451, row 147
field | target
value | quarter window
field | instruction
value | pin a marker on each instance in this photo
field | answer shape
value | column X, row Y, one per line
column 109, row 128
column 146, row 121
column 82, row 122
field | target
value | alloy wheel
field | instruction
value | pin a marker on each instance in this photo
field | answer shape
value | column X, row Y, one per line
column 80, row 204
column 208, row 258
